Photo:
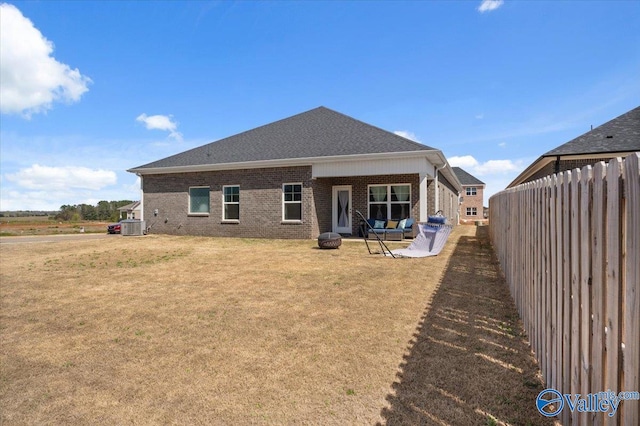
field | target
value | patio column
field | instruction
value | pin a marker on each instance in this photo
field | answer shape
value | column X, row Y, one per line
column 141, row 198
column 423, row 198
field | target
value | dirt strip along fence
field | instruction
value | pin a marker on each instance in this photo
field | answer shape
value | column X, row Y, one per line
column 569, row 246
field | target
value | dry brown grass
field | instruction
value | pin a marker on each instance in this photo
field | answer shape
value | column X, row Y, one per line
column 190, row 330
column 43, row 225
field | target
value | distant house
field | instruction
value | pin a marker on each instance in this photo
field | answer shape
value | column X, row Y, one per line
column 616, row 138
column 131, row 211
column 472, row 196
column 296, row 178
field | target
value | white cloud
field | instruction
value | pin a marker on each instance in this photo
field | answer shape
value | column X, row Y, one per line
column 465, row 162
column 491, row 167
column 44, row 178
column 489, row 5
column 502, row 144
column 407, row 135
column 161, row 122
column 30, row 78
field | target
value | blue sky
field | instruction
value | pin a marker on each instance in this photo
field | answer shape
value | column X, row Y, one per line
column 90, row 89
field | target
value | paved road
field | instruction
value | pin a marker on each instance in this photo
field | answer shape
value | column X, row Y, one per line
column 54, row 238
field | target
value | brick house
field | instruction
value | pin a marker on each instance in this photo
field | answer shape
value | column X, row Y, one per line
column 616, row 138
column 471, row 198
column 296, row 178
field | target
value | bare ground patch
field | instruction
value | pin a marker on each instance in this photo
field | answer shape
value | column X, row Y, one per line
column 205, row 330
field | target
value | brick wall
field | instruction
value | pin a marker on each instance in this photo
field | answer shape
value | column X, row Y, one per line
column 472, row 201
column 260, row 203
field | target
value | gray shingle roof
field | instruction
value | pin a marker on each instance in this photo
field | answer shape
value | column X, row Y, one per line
column 622, row 134
column 465, row 178
column 320, row 132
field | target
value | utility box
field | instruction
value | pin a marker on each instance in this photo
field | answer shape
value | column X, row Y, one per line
column 133, row 227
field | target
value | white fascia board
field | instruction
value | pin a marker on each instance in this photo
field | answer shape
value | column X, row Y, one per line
column 287, row 162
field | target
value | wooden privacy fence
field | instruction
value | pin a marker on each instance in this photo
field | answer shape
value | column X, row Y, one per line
column 569, row 246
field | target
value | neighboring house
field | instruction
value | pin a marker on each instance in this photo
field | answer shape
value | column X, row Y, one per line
column 131, row 211
column 616, row 138
column 471, row 198
column 296, row 178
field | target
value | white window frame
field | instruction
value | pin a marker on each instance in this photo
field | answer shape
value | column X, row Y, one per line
column 389, row 202
column 472, row 211
column 208, row 207
column 472, row 190
column 292, row 202
column 225, row 203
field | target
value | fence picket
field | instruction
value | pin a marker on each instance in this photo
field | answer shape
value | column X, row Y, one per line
column 543, row 355
column 575, row 297
column 553, row 235
column 559, row 287
column 612, row 316
column 631, row 295
column 598, row 282
column 585, row 286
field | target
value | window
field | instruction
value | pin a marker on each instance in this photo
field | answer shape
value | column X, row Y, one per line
column 199, row 200
column 231, row 203
column 472, row 211
column 471, row 190
column 292, row 201
column 389, row 201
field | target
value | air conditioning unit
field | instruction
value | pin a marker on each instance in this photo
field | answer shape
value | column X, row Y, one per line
column 133, row 227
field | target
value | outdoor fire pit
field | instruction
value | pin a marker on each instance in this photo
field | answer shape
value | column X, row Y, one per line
column 329, row 240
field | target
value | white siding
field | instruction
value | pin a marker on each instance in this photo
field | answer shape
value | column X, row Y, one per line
column 390, row 166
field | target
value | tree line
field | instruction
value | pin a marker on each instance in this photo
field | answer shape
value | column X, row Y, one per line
column 104, row 210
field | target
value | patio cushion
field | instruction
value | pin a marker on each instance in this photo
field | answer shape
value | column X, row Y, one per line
column 378, row 224
column 402, row 224
column 437, row 219
column 392, row 224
